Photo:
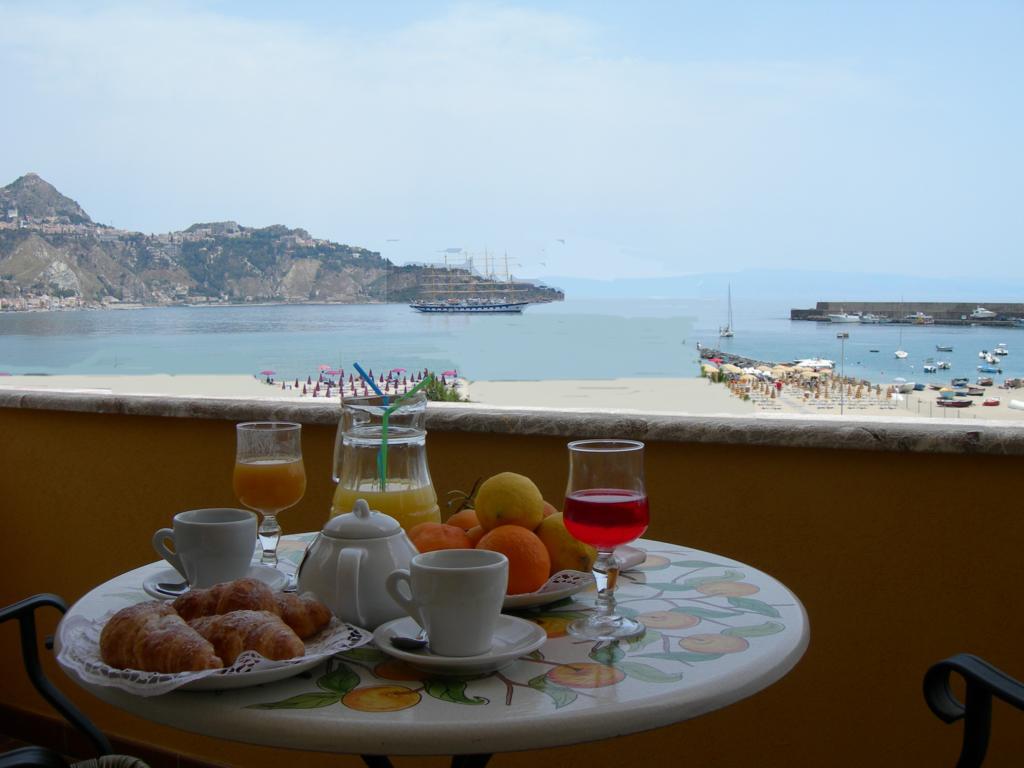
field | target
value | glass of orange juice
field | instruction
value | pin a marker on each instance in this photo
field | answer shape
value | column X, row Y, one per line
column 269, row 475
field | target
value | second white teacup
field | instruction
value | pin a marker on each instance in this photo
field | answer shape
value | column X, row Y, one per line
column 456, row 596
column 210, row 545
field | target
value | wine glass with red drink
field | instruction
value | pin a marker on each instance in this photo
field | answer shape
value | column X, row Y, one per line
column 606, row 505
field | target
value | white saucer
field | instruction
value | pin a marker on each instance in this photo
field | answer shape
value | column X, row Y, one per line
column 272, row 577
column 558, row 587
column 513, row 638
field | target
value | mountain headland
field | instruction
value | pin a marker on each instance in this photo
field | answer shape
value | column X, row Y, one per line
column 52, row 254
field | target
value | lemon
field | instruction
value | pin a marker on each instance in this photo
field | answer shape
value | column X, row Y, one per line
column 509, row 499
column 567, row 552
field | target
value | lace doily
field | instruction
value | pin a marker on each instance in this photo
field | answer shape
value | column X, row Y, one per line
column 80, row 655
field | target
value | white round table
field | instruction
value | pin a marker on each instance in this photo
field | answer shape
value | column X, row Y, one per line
column 718, row 631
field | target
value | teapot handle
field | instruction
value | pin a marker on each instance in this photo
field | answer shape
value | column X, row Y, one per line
column 348, row 579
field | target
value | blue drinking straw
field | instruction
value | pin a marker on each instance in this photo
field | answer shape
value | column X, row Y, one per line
column 369, row 380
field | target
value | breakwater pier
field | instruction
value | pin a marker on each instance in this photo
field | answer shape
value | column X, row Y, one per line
column 999, row 314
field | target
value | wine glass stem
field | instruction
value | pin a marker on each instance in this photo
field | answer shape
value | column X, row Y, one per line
column 270, row 535
column 609, row 565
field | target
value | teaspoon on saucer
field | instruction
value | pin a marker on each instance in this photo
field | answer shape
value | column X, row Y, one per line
column 410, row 643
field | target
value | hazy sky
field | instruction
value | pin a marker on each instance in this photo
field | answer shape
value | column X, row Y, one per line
column 652, row 138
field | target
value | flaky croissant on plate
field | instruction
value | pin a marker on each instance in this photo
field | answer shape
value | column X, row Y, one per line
column 152, row 637
column 305, row 615
column 260, row 631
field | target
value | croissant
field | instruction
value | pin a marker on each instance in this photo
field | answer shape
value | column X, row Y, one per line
column 303, row 613
column 238, row 595
column 153, row 638
column 260, row 631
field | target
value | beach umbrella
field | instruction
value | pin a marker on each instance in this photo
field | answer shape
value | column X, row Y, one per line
column 730, row 368
column 334, row 373
column 398, row 370
column 449, row 373
column 323, row 367
column 267, row 373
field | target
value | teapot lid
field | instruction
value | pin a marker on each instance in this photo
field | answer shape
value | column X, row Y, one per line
column 361, row 523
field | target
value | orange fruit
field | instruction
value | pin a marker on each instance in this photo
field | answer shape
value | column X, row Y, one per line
column 465, row 519
column 475, row 534
column 528, row 561
column 509, row 499
column 427, row 537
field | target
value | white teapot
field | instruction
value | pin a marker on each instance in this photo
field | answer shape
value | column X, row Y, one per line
column 346, row 565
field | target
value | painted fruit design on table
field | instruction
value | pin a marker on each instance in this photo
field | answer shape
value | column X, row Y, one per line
column 696, row 612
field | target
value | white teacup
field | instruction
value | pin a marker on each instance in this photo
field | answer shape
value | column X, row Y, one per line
column 210, row 545
column 456, row 596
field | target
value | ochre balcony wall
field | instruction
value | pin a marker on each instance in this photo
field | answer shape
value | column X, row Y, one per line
column 899, row 558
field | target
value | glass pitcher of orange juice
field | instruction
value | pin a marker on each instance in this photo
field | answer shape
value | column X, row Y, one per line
column 394, row 479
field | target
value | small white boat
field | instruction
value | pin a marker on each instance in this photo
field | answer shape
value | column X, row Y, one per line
column 1001, row 350
column 982, row 314
column 944, row 365
column 844, row 317
column 929, row 368
column 873, row 319
column 900, row 354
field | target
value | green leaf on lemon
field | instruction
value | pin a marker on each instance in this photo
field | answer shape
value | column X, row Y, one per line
column 681, row 656
column 642, row 641
column 340, row 680
column 607, row 653
column 703, row 613
column 302, row 701
column 761, row 630
column 561, row 695
column 755, row 606
column 699, row 581
column 453, row 691
column 648, row 673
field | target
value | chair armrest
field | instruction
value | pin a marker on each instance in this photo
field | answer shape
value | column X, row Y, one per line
column 983, row 682
column 24, row 612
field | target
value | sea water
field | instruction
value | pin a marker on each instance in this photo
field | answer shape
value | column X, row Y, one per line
column 574, row 339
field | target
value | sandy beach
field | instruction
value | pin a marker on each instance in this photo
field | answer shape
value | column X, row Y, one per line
column 693, row 395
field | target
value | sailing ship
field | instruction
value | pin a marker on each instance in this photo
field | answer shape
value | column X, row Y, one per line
column 726, row 331
column 459, row 289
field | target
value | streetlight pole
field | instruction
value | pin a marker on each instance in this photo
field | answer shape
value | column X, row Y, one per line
column 842, row 383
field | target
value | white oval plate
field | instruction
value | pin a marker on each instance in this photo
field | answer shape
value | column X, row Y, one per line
column 227, row 681
column 272, row 577
column 513, row 637
column 559, row 586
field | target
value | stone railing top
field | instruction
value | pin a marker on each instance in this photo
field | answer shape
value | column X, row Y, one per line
column 795, row 431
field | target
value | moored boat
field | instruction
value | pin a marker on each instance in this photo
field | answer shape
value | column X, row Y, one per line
column 1000, row 350
column 982, row 314
column 985, row 381
column 991, row 401
column 947, row 403
column 844, row 317
column 944, row 365
column 960, row 381
column 943, row 348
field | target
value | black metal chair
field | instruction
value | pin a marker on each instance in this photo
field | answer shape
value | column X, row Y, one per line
column 983, row 682
column 44, row 757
